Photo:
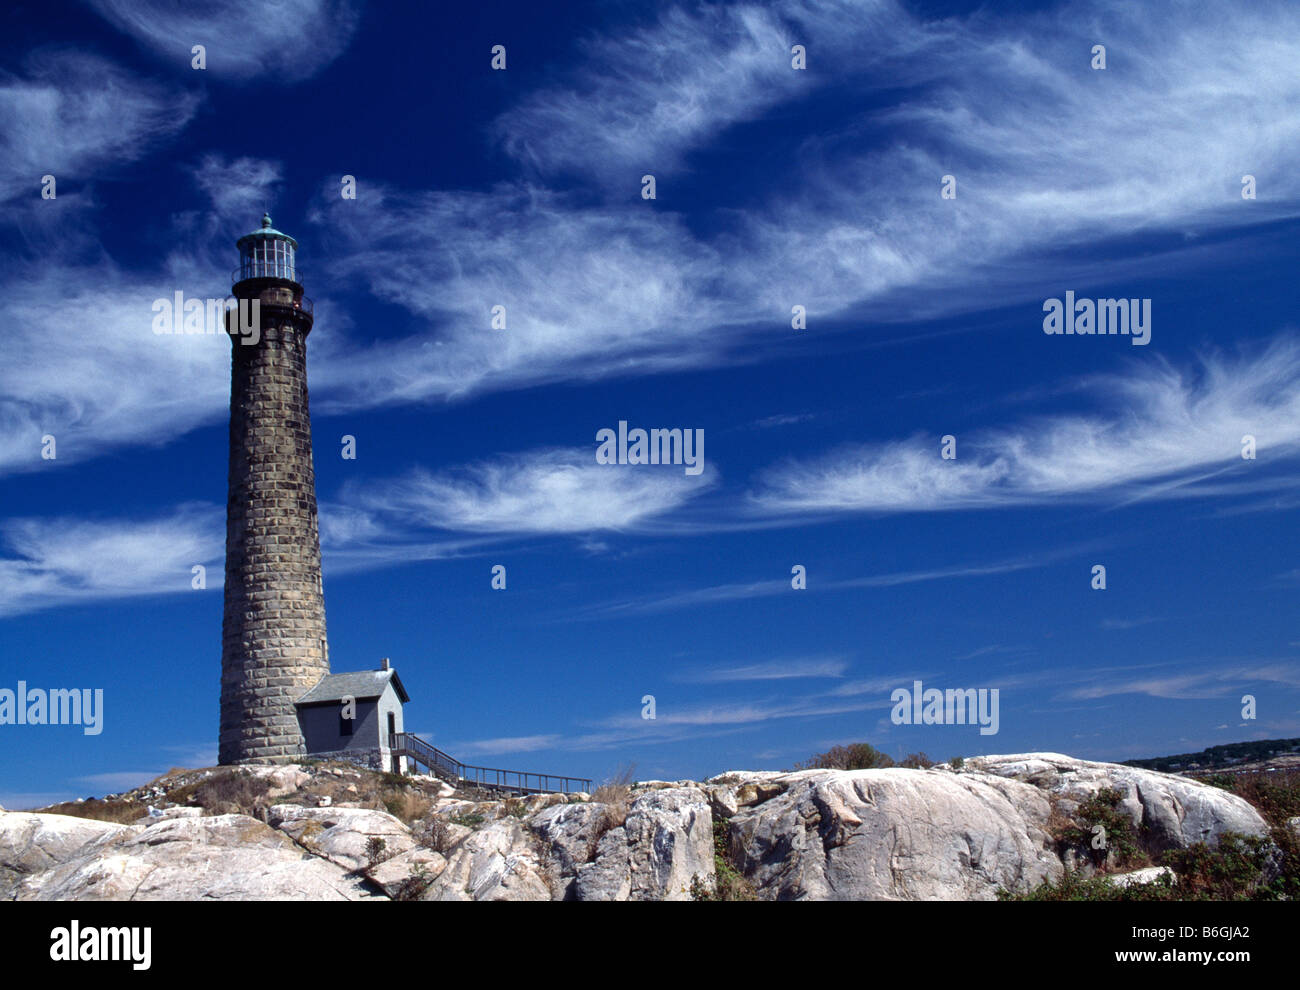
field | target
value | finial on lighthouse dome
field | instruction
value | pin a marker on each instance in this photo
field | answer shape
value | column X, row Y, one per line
column 267, row 253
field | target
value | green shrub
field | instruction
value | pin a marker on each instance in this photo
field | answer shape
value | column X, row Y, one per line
column 1275, row 795
column 1122, row 845
column 414, row 885
column 1076, row 887
column 856, row 756
column 375, row 847
column 1239, row 868
column 1231, row 872
column 729, row 884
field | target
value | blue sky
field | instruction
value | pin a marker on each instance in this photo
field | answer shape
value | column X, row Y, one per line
column 775, row 187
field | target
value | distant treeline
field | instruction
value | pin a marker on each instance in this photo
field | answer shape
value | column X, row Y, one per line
column 1217, row 756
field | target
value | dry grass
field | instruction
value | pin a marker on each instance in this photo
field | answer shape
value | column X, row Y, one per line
column 616, row 795
column 121, row 812
column 405, row 804
column 1058, row 822
column 390, row 792
column 235, row 793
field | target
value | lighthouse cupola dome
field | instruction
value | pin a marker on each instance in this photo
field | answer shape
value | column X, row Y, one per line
column 268, row 253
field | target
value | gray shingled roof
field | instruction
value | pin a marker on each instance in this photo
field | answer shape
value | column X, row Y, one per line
column 359, row 684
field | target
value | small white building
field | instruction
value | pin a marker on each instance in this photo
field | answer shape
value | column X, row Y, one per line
column 374, row 698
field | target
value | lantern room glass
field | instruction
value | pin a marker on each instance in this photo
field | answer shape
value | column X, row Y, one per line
column 269, row 257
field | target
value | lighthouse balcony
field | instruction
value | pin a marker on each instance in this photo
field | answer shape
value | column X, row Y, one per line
column 302, row 303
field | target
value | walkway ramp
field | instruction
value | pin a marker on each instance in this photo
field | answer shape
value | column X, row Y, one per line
column 485, row 778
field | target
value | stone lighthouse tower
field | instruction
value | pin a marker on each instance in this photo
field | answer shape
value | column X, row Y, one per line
column 273, row 647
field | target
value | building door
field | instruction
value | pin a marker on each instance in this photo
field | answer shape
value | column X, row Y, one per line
column 392, row 742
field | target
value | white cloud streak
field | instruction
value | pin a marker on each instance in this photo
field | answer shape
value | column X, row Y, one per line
column 284, row 41
column 1225, row 680
column 560, row 491
column 57, row 561
column 1041, row 145
column 1162, row 434
column 772, row 670
column 742, row 591
column 601, row 285
column 80, row 118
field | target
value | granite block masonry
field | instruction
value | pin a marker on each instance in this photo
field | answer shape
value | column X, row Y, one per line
column 274, row 646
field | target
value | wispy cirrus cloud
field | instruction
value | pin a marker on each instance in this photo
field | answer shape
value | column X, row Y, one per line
column 423, row 515
column 538, row 492
column 588, row 292
column 242, row 41
column 700, row 720
column 57, row 561
column 648, row 96
column 609, row 286
column 1162, row 433
column 603, row 285
column 741, row 591
column 1223, row 679
column 240, row 189
column 1123, row 624
column 771, row 670
column 85, row 366
column 507, row 744
column 687, row 722
column 81, row 118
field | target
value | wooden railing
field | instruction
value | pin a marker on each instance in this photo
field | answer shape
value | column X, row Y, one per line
column 456, row 773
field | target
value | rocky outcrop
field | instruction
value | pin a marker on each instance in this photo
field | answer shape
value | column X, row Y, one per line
column 578, row 852
column 344, row 836
column 224, row 857
column 894, row 835
column 1173, row 811
column 494, row 863
column 32, row 844
column 406, row 876
column 1149, row 874
column 939, row 834
column 571, row 833
column 665, row 842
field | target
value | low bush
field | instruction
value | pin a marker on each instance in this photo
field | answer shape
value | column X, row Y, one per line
column 729, row 884
column 855, row 756
column 1105, row 833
